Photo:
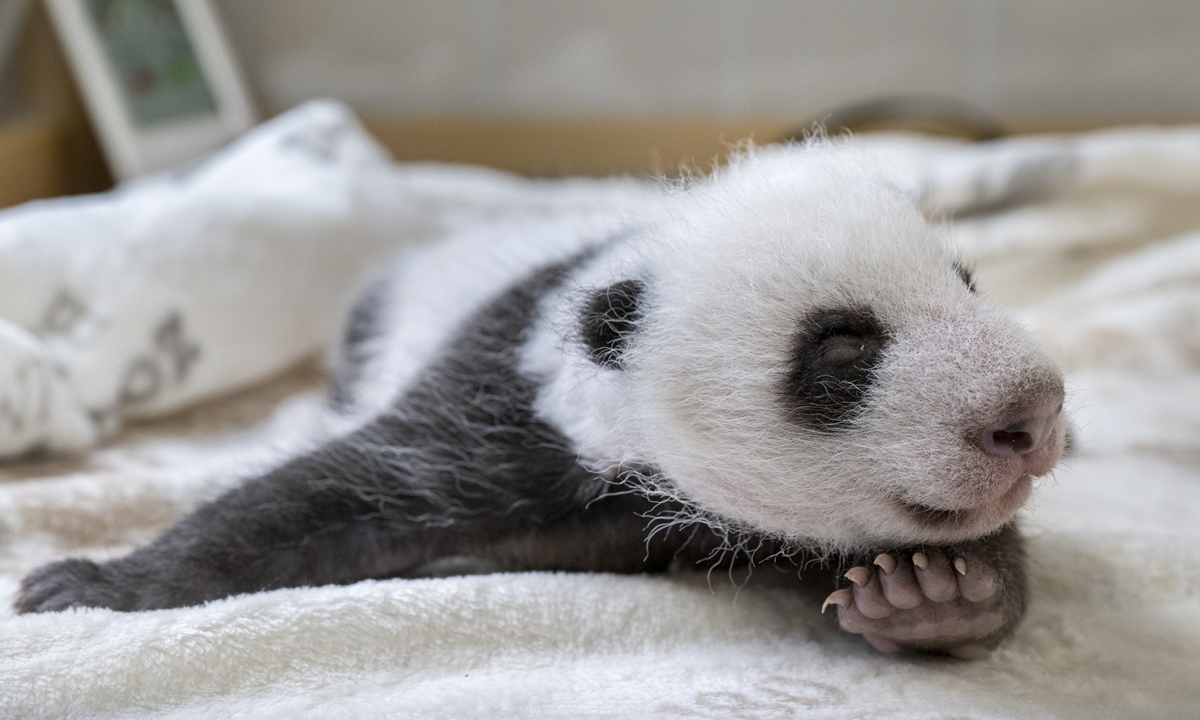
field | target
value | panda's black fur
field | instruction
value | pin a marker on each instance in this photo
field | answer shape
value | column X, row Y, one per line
column 472, row 467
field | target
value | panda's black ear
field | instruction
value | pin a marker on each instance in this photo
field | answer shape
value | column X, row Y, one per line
column 608, row 320
column 965, row 274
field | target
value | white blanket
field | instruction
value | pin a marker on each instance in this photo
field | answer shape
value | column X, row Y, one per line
column 1096, row 238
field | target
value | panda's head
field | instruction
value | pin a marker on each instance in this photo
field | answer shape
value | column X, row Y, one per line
column 802, row 353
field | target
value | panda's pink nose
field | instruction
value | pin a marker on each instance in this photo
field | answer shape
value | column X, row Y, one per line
column 1021, row 437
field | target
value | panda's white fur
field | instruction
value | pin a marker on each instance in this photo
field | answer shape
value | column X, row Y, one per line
column 731, row 264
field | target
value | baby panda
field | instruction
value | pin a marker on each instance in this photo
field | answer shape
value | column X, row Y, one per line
column 783, row 363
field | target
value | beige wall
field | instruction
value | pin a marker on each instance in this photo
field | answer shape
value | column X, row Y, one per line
column 1040, row 60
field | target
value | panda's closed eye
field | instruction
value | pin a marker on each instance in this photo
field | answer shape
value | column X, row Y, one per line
column 609, row 319
column 833, row 365
column 843, row 349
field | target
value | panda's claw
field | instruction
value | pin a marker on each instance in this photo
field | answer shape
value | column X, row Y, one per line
column 937, row 578
column 869, row 597
column 886, row 563
column 900, row 585
column 981, row 583
column 842, row 598
column 860, row 576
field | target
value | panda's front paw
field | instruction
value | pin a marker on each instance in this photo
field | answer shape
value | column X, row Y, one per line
column 71, row 583
column 927, row 601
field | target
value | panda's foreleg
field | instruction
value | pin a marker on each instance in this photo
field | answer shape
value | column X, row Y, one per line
column 960, row 600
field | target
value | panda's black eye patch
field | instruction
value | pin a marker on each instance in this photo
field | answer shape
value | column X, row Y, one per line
column 967, row 276
column 609, row 318
column 832, row 367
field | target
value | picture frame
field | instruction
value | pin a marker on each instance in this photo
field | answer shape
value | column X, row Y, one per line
column 12, row 22
column 158, row 78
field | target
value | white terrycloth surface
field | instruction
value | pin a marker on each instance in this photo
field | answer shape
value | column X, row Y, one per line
column 1113, row 629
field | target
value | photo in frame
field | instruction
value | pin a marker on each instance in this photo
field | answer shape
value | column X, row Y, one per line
column 158, row 77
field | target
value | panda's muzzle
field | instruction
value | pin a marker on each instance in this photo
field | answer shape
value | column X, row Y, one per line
column 1018, row 450
column 1024, row 442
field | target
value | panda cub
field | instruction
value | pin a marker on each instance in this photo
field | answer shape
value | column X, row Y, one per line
column 782, row 363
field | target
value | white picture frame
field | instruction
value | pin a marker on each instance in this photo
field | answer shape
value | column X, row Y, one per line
column 161, row 89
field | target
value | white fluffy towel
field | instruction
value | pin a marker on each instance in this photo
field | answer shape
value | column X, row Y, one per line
column 119, row 310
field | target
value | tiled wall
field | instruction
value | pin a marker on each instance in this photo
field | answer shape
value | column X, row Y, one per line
column 1032, row 60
